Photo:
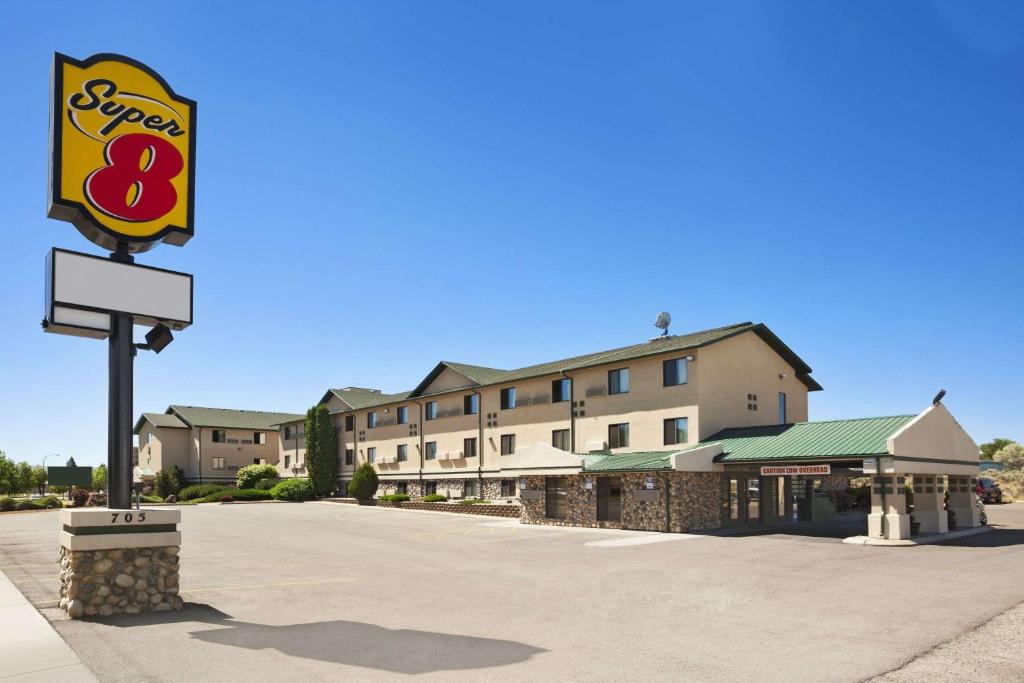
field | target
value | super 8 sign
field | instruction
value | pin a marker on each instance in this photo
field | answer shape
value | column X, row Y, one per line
column 123, row 153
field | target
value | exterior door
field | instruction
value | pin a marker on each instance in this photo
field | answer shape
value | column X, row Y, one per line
column 609, row 499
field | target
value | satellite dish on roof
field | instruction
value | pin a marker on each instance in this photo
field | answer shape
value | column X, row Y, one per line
column 662, row 322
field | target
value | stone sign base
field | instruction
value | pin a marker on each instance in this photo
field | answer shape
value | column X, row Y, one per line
column 119, row 561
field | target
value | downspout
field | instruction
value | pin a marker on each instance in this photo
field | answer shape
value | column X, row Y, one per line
column 572, row 412
column 200, row 453
column 480, row 440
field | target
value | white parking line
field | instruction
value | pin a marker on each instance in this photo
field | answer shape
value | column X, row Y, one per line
column 642, row 540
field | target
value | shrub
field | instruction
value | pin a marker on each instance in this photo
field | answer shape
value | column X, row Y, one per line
column 79, row 497
column 6, row 504
column 96, row 500
column 163, row 484
column 178, row 478
column 293, row 490
column 395, row 497
column 200, row 491
column 267, row 484
column 435, row 498
column 237, row 494
column 364, row 482
column 50, row 502
column 249, row 475
column 29, row 505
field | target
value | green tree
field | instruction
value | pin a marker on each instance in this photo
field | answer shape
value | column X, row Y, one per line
column 323, row 467
column 163, row 484
column 311, row 444
column 99, row 478
column 178, row 479
column 364, row 482
column 25, row 478
column 8, row 474
column 39, row 478
column 1011, row 455
column 988, row 450
column 250, row 475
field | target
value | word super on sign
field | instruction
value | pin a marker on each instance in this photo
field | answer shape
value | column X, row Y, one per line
column 794, row 470
column 123, row 153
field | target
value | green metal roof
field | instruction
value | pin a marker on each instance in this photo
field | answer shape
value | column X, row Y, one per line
column 230, row 419
column 644, row 461
column 806, row 440
column 159, row 420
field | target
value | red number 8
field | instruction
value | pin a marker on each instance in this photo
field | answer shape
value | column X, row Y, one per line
column 110, row 188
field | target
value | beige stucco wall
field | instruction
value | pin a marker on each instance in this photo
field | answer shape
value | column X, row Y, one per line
column 294, row 448
column 715, row 396
column 934, row 435
column 237, row 455
column 168, row 446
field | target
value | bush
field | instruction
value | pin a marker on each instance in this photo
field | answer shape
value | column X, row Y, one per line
column 97, row 500
column 200, row 491
column 1010, row 481
column 79, row 497
column 237, row 494
column 29, row 505
column 434, row 498
column 50, row 502
column 6, row 504
column 364, row 482
column 293, row 489
column 395, row 497
column 267, row 484
column 250, row 475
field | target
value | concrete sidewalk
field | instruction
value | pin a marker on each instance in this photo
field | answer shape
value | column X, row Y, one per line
column 30, row 650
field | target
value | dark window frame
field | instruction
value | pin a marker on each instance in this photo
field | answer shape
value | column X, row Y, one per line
column 670, row 377
column 223, row 435
column 561, row 390
column 402, row 452
column 402, row 415
column 371, row 419
column 615, row 386
column 471, row 404
column 350, row 423
column 670, row 430
column 556, row 493
column 508, row 441
column 350, row 456
column 468, row 452
column 556, row 434
column 615, row 435
column 430, row 410
column 430, row 450
column 508, row 398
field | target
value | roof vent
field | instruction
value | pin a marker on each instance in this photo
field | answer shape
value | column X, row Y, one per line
column 372, row 391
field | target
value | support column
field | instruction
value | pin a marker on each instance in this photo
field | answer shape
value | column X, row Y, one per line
column 962, row 501
column 888, row 518
column 928, row 504
column 119, row 410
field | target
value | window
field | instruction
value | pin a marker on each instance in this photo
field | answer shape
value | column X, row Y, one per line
column 430, row 411
column 220, row 463
column 471, row 489
column 287, row 433
column 350, row 423
column 675, row 431
column 508, row 398
column 560, row 439
column 431, row 450
column 402, row 487
column 508, row 488
column 429, row 488
column 259, row 461
column 469, row 448
column 618, row 381
column 371, row 454
column 560, row 390
column 371, row 419
column 782, row 408
column 259, row 438
column 618, row 435
column 609, row 499
column 470, row 404
column 348, row 456
column 287, row 461
column 508, row 444
column 149, row 438
column 751, row 401
column 554, row 497
column 219, row 436
column 402, row 415
column 403, row 452
column 674, row 372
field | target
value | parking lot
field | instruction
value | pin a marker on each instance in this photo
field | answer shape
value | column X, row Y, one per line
column 316, row 590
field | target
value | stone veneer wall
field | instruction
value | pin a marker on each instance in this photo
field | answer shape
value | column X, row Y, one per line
column 415, row 488
column 119, row 581
column 693, row 502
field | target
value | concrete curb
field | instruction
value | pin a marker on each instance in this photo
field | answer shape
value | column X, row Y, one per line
column 920, row 540
column 31, row 649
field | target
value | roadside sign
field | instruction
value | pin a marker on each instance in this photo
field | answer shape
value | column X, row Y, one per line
column 69, row 476
column 122, row 166
column 83, row 291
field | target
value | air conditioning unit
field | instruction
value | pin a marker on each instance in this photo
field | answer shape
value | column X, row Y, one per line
column 458, row 456
column 444, row 456
column 597, row 445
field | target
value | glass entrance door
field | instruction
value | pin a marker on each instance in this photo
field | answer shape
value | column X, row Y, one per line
column 609, row 499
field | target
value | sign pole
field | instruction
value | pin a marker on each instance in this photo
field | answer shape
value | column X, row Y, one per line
column 120, row 399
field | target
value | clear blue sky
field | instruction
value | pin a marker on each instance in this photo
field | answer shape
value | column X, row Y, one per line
column 385, row 185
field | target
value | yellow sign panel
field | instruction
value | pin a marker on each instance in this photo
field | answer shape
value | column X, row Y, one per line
column 123, row 153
